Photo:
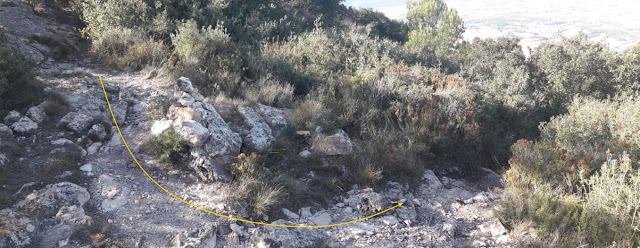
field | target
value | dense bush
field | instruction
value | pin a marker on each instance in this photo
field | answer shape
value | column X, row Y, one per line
column 18, row 88
column 169, row 147
column 575, row 66
column 577, row 157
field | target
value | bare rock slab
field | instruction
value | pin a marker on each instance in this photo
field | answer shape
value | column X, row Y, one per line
column 336, row 144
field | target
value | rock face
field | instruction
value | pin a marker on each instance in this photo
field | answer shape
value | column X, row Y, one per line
column 212, row 141
column 27, row 30
column 58, row 208
column 260, row 136
column 24, row 125
column 336, row 144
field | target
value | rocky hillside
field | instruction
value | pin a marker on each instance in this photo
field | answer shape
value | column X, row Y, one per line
column 68, row 180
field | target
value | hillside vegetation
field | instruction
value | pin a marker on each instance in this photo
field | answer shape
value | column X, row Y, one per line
column 563, row 124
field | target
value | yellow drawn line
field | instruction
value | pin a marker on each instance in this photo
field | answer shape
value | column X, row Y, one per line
column 209, row 211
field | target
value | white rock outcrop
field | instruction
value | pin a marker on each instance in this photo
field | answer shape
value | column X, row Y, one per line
column 260, row 136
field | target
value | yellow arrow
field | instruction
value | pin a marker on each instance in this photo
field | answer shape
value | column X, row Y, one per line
column 208, row 211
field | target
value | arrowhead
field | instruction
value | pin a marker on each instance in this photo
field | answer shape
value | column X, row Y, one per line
column 401, row 201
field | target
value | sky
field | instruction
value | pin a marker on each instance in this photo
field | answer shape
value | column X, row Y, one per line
column 616, row 22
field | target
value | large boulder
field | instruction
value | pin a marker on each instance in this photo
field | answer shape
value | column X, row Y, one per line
column 260, row 136
column 223, row 141
column 185, row 85
column 24, row 125
column 160, row 126
column 12, row 117
column 276, row 117
column 336, row 144
column 36, row 114
column 192, row 132
column 75, row 121
column 212, row 142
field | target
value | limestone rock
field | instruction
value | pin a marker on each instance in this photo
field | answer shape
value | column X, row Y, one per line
column 366, row 201
column 160, row 126
column 185, row 85
column 493, row 228
column 305, row 212
column 260, row 136
column 276, row 117
column 450, row 227
column 24, row 125
column 289, row 214
column 186, row 113
column 97, row 132
column 120, row 111
column 336, row 144
column 321, row 219
column 185, row 99
column 191, row 131
column 93, row 148
column 223, row 141
column 87, row 168
column 389, row 220
column 3, row 160
column 238, row 230
column 62, row 142
column 5, row 132
column 305, row 154
column 208, row 168
column 431, row 180
column 46, row 202
column 75, row 121
column 36, row 114
column 12, row 117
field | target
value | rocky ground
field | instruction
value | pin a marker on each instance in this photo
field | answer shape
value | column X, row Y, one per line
column 72, row 182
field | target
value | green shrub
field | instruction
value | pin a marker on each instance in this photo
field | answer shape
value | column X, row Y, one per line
column 17, row 86
column 575, row 66
column 209, row 52
column 169, row 147
column 564, row 220
column 628, row 71
column 433, row 26
column 616, row 189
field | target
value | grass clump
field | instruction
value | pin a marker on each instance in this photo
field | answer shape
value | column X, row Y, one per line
column 169, row 147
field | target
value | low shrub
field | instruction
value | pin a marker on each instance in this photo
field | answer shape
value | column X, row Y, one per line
column 169, row 147
column 270, row 92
